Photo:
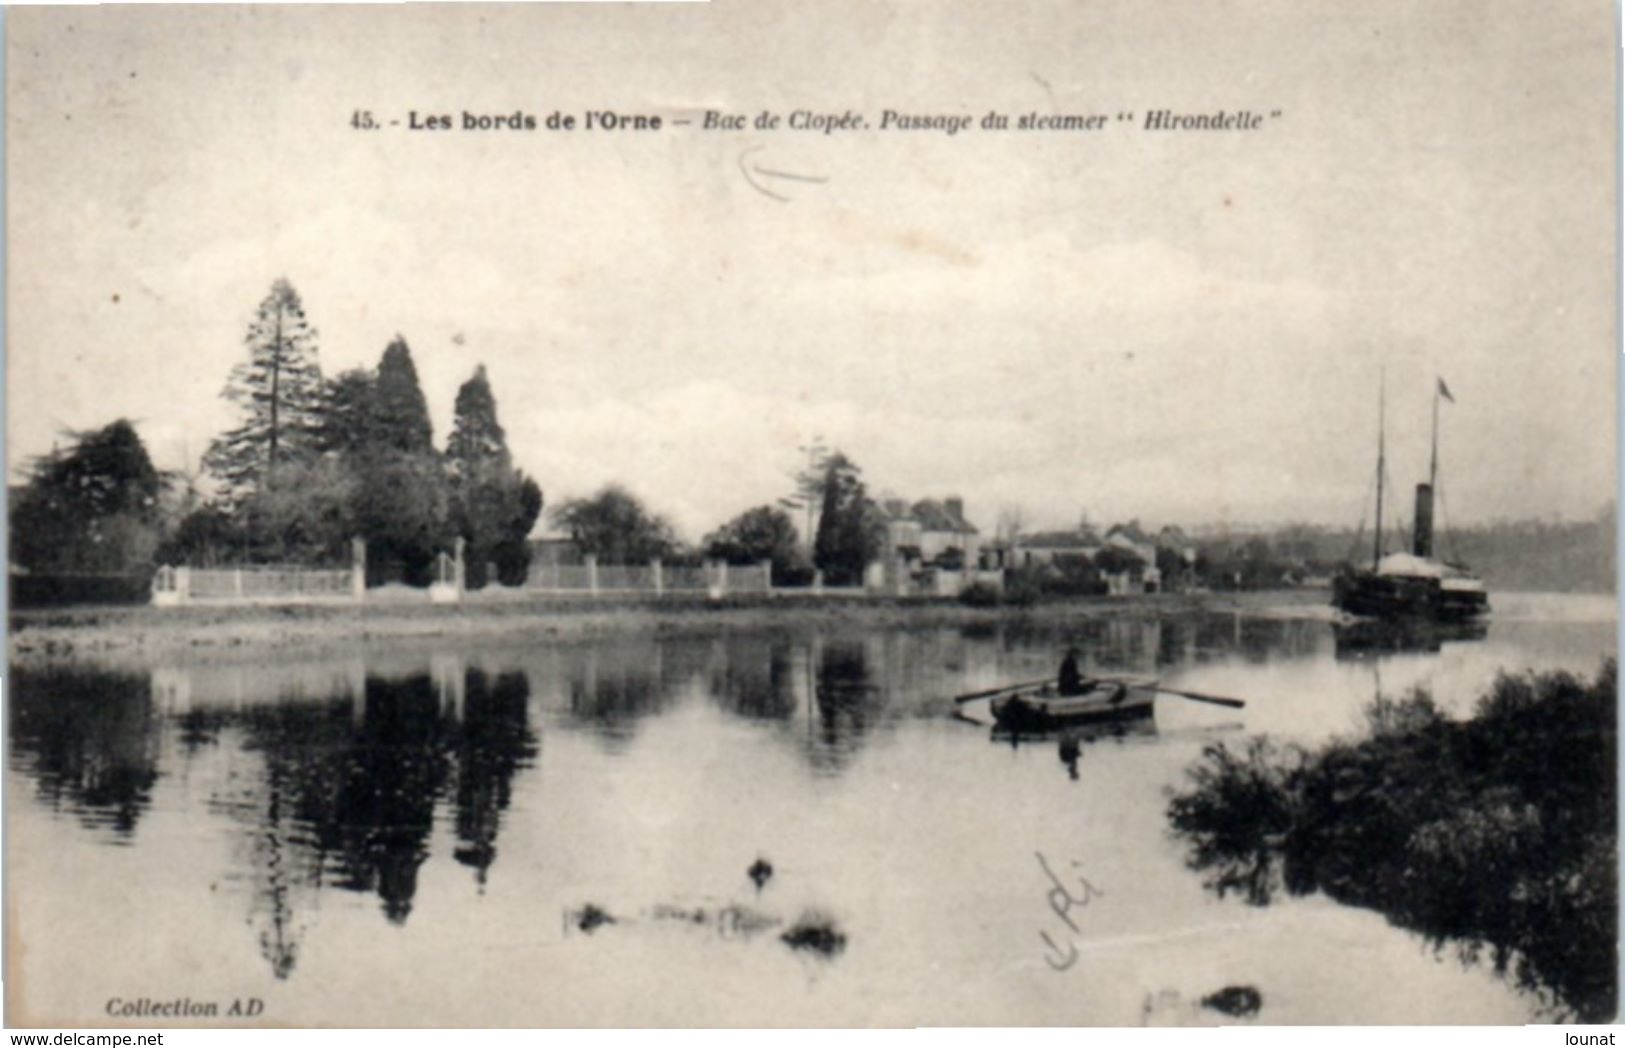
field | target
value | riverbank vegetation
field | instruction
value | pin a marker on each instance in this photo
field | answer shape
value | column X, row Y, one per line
column 1495, row 835
column 314, row 461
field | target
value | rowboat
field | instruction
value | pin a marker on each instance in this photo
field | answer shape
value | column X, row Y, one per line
column 1041, row 707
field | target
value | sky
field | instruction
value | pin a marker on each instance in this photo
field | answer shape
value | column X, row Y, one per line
column 1184, row 327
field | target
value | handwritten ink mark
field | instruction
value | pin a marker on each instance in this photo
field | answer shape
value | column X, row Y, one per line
column 753, row 172
column 1061, row 901
column 1069, row 962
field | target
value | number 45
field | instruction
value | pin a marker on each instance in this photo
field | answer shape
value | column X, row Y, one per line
column 361, row 120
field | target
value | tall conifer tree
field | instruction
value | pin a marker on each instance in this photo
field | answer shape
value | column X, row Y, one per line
column 402, row 413
column 279, row 389
column 493, row 504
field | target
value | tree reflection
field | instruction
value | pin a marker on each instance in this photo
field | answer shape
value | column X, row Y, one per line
column 350, row 783
column 846, row 698
column 612, row 691
column 495, row 743
column 756, row 679
column 89, row 740
column 377, row 808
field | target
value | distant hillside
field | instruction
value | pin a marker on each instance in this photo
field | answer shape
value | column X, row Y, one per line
column 1525, row 555
column 1530, row 555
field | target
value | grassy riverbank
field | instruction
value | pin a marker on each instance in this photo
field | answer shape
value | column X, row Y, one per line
column 148, row 632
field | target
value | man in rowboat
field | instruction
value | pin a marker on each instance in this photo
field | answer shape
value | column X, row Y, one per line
column 1070, row 681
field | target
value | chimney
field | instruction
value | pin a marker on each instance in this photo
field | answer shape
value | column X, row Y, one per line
column 956, row 507
column 1423, row 545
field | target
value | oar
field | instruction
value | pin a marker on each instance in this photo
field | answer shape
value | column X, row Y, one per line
column 973, row 696
column 1217, row 700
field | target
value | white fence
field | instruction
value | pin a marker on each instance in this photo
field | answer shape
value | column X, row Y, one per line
column 272, row 584
column 255, row 584
column 714, row 578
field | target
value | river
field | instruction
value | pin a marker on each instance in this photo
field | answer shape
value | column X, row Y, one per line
column 562, row 833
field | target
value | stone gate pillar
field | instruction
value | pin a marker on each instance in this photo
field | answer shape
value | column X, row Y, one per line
column 358, row 568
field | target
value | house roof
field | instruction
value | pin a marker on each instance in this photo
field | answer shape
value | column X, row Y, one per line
column 934, row 515
column 1130, row 531
column 929, row 514
column 1173, row 535
column 1084, row 538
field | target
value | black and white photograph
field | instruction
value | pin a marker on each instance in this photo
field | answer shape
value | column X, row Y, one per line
column 866, row 513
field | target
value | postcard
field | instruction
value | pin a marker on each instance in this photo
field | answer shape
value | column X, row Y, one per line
column 845, row 514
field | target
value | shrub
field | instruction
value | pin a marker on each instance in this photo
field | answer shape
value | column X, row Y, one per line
column 1498, row 832
column 980, row 595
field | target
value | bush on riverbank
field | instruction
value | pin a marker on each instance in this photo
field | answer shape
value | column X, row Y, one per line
column 1497, row 833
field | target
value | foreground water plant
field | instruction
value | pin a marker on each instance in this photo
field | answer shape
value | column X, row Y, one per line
column 1496, row 834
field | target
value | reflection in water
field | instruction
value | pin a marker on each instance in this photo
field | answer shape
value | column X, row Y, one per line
column 346, row 785
column 613, row 687
column 758, row 678
column 89, row 740
column 1368, row 637
column 848, row 701
column 371, row 779
column 1070, row 741
column 496, row 742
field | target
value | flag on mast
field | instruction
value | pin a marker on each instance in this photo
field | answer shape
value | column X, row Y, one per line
column 1444, row 391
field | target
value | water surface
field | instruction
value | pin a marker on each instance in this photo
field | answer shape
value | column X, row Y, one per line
column 412, row 837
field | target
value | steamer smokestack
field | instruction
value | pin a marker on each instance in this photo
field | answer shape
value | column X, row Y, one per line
column 1423, row 546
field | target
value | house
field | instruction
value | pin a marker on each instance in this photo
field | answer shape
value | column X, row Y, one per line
column 1136, row 573
column 1056, row 547
column 1176, row 551
column 930, row 532
column 929, row 548
column 1174, row 539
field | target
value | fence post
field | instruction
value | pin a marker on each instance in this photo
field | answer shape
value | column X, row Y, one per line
column 183, row 583
column 592, row 573
column 237, row 580
column 358, row 568
column 459, row 571
column 767, row 576
column 660, row 576
column 722, row 577
column 818, row 581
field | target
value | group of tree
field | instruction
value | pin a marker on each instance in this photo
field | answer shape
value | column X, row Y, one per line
column 616, row 527
column 311, row 464
column 314, row 462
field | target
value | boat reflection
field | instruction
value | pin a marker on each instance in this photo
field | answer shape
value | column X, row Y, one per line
column 1070, row 741
column 1367, row 638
